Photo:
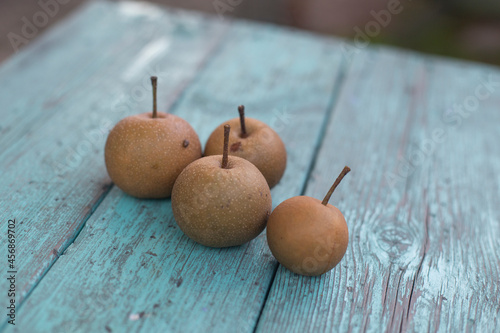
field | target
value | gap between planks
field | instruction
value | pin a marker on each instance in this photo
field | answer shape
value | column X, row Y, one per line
column 85, row 219
column 339, row 81
column 214, row 50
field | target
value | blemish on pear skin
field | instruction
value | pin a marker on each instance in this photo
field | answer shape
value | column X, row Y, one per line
column 185, row 144
column 236, row 146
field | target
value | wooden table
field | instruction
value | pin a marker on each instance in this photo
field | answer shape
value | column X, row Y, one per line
column 422, row 202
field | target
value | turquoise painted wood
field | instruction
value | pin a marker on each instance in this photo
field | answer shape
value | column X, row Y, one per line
column 59, row 101
column 421, row 201
column 134, row 245
column 424, row 249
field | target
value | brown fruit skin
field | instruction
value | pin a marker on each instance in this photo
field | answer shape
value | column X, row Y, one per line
column 307, row 237
column 262, row 146
column 221, row 207
column 144, row 156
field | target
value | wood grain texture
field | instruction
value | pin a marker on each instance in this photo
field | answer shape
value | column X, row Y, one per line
column 423, row 252
column 131, row 268
column 60, row 97
column 420, row 134
column 458, row 281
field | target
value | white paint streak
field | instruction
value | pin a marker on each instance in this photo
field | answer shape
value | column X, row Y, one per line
column 138, row 9
column 134, row 316
column 144, row 58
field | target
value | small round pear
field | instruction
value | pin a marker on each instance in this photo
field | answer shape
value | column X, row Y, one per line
column 221, row 200
column 307, row 236
column 254, row 141
column 145, row 153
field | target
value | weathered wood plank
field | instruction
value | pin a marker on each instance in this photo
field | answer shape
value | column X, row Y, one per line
column 38, row 80
column 51, row 151
column 132, row 269
column 457, row 284
column 368, row 129
column 410, row 238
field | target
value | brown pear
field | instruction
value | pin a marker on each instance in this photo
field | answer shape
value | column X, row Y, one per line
column 145, row 153
column 254, row 141
column 221, row 200
column 307, row 236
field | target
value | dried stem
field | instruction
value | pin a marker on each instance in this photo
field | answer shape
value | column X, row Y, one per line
column 225, row 153
column 334, row 186
column 154, row 82
column 241, row 110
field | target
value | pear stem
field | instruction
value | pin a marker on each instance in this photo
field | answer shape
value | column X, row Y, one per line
column 154, row 82
column 225, row 153
column 334, row 186
column 241, row 110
